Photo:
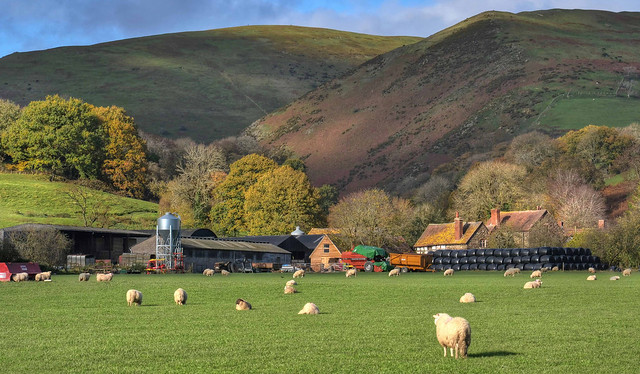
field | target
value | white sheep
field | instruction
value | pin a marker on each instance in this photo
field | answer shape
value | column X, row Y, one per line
column 84, row 277
column 592, row 270
column 468, row 298
column 453, row 333
column 100, row 277
column 180, row 296
column 615, row 278
column 39, row 277
column 533, row 284
column 512, row 272
column 242, row 305
column 289, row 290
column 536, row 274
column 299, row 274
column 224, row 272
column 309, row 308
column 208, row 272
column 20, row 277
column 43, row 276
column 555, row 268
column 134, row 297
column 292, row 283
column 351, row 273
column 394, row 272
column 626, row 272
column 592, row 277
column 448, row 272
column 545, row 269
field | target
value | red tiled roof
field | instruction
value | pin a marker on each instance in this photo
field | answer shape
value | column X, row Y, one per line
column 520, row 221
column 444, row 233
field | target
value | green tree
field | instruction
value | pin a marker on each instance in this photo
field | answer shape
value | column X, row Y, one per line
column 62, row 136
column 227, row 213
column 327, row 197
column 502, row 237
column 9, row 113
column 46, row 246
column 280, row 200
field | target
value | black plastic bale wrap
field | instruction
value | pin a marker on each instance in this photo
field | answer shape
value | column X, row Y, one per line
column 501, row 267
column 524, row 252
column 510, row 266
column 516, row 260
column 462, row 253
column 587, row 252
column 437, row 267
column 525, row 259
column 498, row 260
column 492, row 267
column 497, row 252
column 471, row 252
column 473, row 266
column 472, row 259
column 464, row 267
column 455, row 261
column 437, row 253
column 543, row 251
column 464, row 260
column 482, row 266
column 488, row 252
column 535, row 258
column 534, row 251
column 515, row 252
column 489, row 260
column 520, row 266
column 507, row 260
column 456, row 267
column 446, row 260
column 546, row 258
column 454, row 253
column 479, row 252
column 568, row 251
column 482, row 260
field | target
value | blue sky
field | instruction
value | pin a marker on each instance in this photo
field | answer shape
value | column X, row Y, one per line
column 27, row 25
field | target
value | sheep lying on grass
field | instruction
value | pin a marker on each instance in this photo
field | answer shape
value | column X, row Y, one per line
column 291, row 283
column 555, row 268
column 351, row 273
column 592, row 270
column 453, row 333
column 614, row 278
column 208, row 272
column 626, row 272
column 180, row 296
column 534, row 284
column 536, row 274
column 242, row 305
column 100, row 277
column 299, row 274
column 134, row 297
column 591, row 277
column 309, row 308
column 512, row 272
column 20, row 277
column 468, row 298
column 448, row 272
column 224, row 272
column 394, row 272
column 289, row 290
column 84, row 277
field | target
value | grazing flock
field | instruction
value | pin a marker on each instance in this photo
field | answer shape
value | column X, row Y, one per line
column 453, row 333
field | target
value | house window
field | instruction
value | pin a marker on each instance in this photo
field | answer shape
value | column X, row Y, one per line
column 483, row 243
column 326, row 248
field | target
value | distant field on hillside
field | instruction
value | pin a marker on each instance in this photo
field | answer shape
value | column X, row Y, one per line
column 33, row 199
column 577, row 112
column 371, row 323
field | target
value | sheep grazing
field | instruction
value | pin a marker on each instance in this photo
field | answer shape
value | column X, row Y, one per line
column 448, row 272
column 592, row 277
column 100, row 277
column 43, row 276
column 309, row 308
column 299, row 274
column 592, row 270
column 242, row 305
column 395, row 272
column 20, row 277
column 39, row 277
column 614, row 278
column 289, row 290
column 351, row 273
column 545, row 269
column 224, row 272
column 468, row 298
column 536, row 274
column 180, row 296
column 555, row 268
column 626, row 272
column 208, row 272
column 533, row 284
column 511, row 272
column 84, row 277
column 453, row 333
column 134, row 297
column 292, row 283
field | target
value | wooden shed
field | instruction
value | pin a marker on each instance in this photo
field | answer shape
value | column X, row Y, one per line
column 7, row 269
column 324, row 254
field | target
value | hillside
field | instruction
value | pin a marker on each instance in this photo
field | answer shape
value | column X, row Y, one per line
column 204, row 85
column 454, row 96
column 34, row 199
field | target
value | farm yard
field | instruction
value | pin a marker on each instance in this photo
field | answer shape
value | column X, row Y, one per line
column 369, row 323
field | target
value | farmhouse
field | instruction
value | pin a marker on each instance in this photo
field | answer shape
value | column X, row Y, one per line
column 522, row 222
column 456, row 235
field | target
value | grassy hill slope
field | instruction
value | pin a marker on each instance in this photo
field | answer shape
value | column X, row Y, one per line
column 33, row 199
column 455, row 95
column 205, row 85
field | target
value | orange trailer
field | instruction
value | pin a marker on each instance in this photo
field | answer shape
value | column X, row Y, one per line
column 411, row 261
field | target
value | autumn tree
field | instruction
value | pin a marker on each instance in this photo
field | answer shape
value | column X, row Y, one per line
column 575, row 202
column 227, row 213
column 502, row 237
column 46, row 246
column 89, row 205
column 531, row 149
column 62, row 136
column 542, row 235
column 280, row 200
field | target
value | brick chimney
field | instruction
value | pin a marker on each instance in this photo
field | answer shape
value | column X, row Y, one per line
column 495, row 217
column 457, row 225
column 561, row 224
column 601, row 224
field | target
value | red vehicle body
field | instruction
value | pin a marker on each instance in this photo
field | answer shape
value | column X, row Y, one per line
column 360, row 262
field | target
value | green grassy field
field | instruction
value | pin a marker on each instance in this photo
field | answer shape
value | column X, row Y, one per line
column 371, row 323
column 33, row 199
column 578, row 112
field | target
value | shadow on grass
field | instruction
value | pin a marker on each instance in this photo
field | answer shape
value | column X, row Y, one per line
column 492, row 354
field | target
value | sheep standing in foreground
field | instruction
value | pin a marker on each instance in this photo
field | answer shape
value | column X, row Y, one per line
column 20, row 277
column 453, row 333
column 614, row 278
column 39, row 277
column 591, row 277
column 626, row 272
column 592, row 270
column 180, row 296
column 299, row 274
column 100, row 277
column 511, row 272
column 134, row 297
column 208, row 272
column 291, row 283
column 309, row 308
column 289, row 290
column 448, row 272
column 84, row 277
column 242, row 305
column 224, row 272
column 536, row 274
column 468, row 298
column 351, row 273
column 394, row 272
column 534, row 284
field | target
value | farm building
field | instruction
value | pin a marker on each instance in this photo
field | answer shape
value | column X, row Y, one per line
column 456, row 235
column 522, row 222
column 324, row 254
column 9, row 268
